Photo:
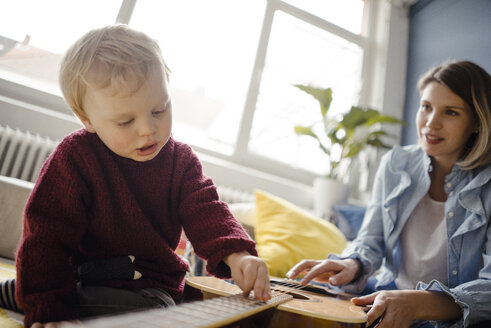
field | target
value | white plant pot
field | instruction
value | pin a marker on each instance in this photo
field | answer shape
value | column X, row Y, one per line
column 328, row 192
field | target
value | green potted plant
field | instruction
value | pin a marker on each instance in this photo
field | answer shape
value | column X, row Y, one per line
column 343, row 137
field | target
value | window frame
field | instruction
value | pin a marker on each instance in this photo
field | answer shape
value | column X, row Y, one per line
column 242, row 154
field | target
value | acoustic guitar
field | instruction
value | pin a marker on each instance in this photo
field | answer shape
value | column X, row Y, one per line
column 222, row 305
column 209, row 313
column 309, row 306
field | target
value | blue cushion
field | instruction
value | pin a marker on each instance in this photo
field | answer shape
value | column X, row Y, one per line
column 349, row 219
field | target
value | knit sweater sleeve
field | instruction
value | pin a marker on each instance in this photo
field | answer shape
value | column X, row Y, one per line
column 208, row 222
column 54, row 223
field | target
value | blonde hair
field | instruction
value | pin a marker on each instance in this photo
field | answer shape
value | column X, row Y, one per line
column 113, row 56
column 473, row 84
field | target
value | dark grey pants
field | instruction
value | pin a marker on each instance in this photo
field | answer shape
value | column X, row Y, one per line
column 99, row 300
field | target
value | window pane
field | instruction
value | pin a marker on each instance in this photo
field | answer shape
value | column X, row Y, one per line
column 210, row 48
column 52, row 25
column 300, row 53
column 347, row 14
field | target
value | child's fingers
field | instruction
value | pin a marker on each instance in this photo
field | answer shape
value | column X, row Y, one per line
column 256, row 277
column 249, row 275
column 261, row 286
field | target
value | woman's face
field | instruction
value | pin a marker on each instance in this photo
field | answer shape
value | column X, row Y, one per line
column 445, row 122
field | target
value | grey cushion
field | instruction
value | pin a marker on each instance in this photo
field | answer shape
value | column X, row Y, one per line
column 13, row 197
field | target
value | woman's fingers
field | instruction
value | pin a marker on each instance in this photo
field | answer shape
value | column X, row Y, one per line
column 345, row 271
column 301, row 267
column 377, row 309
column 323, row 277
column 333, row 271
column 325, row 268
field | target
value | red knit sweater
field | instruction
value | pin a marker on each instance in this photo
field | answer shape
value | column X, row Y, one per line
column 89, row 203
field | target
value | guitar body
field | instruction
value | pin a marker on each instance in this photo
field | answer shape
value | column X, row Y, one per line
column 306, row 309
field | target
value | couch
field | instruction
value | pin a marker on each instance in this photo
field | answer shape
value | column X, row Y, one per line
column 284, row 233
column 13, row 197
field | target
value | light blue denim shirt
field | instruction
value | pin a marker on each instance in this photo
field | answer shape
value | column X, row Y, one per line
column 401, row 182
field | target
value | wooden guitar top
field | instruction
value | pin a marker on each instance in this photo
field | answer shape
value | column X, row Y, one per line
column 305, row 303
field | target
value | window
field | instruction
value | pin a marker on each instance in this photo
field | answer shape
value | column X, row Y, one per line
column 233, row 66
column 299, row 52
column 34, row 35
column 210, row 48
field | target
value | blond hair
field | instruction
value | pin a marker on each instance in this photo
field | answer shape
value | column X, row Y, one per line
column 113, row 56
column 473, row 84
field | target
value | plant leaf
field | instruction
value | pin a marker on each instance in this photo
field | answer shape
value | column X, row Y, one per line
column 378, row 143
column 349, row 134
column 304, row 130
column 307, row 131
column 385, row 119
column 323, row 96
column 355, row 117
column 353, row 150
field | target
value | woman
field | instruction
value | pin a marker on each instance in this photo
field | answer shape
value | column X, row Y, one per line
column 427, row 227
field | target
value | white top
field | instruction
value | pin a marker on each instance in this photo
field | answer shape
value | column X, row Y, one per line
column 424, row 244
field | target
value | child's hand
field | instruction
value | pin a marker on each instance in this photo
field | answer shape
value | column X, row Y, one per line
column 250, row 273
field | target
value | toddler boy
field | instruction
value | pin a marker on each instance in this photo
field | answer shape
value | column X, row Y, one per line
column 123, row 186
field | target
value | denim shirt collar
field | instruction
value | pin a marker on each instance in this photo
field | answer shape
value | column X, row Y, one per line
column 407, row 167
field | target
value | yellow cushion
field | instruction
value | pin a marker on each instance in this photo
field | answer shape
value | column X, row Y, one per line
column 286, row 234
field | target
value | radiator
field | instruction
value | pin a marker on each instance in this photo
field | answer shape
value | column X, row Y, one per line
column 233, row 195
column 22, row 153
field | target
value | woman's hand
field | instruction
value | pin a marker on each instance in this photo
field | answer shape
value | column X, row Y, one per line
column 398, row 308
column 336, row 272
column 250, row 273
column 394, row 307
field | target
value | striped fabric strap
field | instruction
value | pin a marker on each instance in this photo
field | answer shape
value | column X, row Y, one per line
column 7, row 295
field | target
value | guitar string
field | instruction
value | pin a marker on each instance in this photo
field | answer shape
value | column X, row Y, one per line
column 285, row 283
column 290, row 284
column 279, row 293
